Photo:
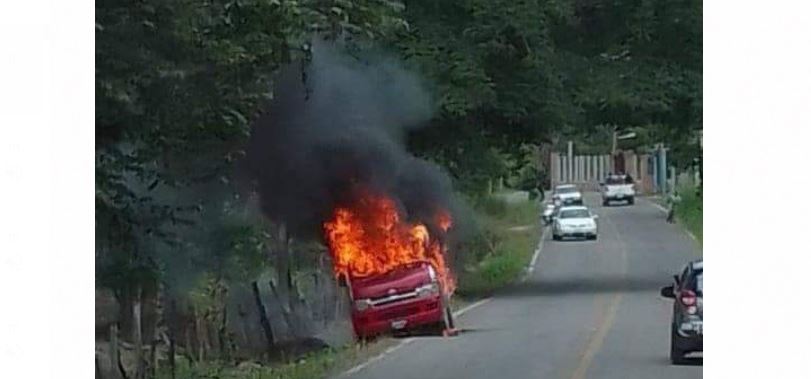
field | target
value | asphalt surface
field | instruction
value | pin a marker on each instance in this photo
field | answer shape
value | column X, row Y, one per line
column 590, row 309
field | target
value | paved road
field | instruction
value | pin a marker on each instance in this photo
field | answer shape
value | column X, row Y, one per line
column 590, row 309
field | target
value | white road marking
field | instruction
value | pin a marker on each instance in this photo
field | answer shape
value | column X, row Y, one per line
column 407, row 341
column 655, row 204
column 663, row 209
column 537, row 253
column 377, row 357
column 471, row 306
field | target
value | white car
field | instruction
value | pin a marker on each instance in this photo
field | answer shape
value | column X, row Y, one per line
column 549, row 212
column 568, row 194
column 574, row 221
column 617, row 188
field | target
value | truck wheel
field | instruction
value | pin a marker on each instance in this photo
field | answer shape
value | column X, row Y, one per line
column 605, row 203
column 449, row 322
column 631, row 201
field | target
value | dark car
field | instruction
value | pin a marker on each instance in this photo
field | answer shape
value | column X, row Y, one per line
column 687, row 327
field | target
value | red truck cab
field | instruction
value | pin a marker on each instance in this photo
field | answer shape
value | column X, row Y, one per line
column 408, row 297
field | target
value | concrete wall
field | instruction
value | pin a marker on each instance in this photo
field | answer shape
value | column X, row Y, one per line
column 588, row 170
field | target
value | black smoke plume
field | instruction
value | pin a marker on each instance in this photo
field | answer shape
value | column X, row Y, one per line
column 338, row 123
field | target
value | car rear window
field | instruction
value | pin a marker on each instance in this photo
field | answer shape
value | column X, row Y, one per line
column 574, row 213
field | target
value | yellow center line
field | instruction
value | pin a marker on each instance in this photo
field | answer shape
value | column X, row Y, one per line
column 605, row 318
column 597, row 337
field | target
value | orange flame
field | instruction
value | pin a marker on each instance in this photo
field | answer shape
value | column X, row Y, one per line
column 370, row 239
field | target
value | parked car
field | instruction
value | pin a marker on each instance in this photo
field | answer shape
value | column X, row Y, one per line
column 574, row 221
column 617, row 188
column 406, row 298
column 568, row 194
column 687, row 326
column 549, row 212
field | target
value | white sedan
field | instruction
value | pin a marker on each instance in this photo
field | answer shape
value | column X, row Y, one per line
column 574, row 221
column 568, row 194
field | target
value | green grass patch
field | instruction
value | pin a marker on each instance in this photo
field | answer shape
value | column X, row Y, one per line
column 507, row 236
column 318, row 364
column 690, row 212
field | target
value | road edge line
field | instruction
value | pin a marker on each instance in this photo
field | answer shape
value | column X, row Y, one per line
column 531, row 267
column 663, row 209
column 471, row 306
column 657, row 205
column 376, row 358
column 407, row 341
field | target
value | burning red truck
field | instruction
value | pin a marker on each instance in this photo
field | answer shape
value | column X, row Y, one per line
column 395, row 270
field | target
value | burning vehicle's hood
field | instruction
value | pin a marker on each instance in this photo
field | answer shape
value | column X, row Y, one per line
column 403, row 279
column 369, row 239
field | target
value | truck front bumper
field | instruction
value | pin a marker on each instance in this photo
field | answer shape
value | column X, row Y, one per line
column 397, row 316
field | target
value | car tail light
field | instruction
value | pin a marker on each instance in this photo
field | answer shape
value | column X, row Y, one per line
column 688, row 299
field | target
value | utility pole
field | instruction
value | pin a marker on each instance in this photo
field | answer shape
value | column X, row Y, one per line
column 570, row 162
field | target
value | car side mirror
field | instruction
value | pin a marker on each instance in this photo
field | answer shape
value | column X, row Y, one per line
column 667, row 292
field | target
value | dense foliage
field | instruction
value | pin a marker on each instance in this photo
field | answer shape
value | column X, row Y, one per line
column 178, row 83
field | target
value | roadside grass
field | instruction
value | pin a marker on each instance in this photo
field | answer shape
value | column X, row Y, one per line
column 690, row 213
column 509, row 233
column 317, row 364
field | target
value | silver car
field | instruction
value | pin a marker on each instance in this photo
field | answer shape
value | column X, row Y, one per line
column 574, row 221
column 568, row 194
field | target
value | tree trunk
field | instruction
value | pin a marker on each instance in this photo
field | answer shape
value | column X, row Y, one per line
column 137, row 334
column 153, row 358
column 172, row 326
column 172, row 367
column 317, row 308
column 115, row 360
column 189, row 348
column 200, row 328
column 263, row 318
column 98, row 369
column 222, row 334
